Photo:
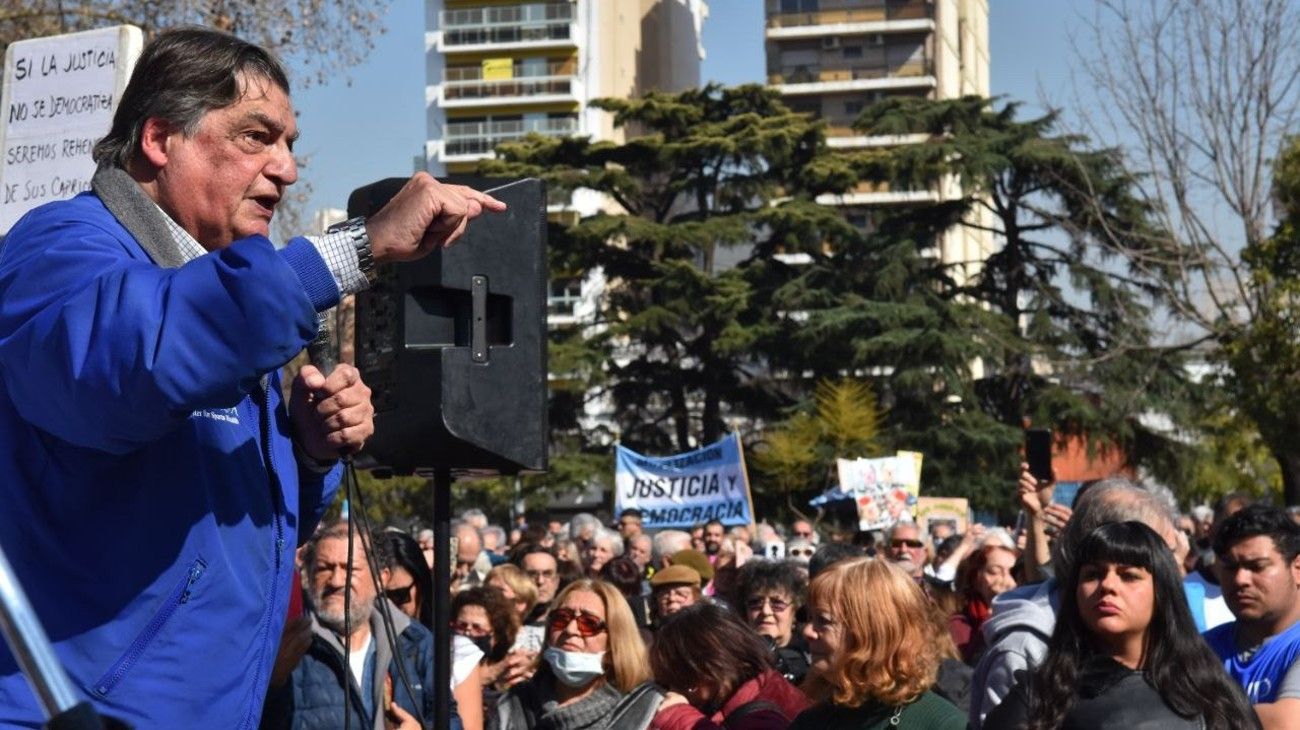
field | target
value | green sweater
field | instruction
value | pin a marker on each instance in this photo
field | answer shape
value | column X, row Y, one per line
column 930, row 712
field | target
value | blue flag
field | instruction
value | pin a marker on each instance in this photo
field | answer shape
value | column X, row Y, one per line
column 686, row 489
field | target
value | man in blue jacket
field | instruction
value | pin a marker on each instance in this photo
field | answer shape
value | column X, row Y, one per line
column 142, row 329
column 310, row 697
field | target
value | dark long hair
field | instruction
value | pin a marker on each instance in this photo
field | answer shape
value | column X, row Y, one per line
column 406, row 553
column 708, row 644
column 1176, row 662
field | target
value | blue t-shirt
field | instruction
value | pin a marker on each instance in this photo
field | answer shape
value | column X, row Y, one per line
column 1259, row 672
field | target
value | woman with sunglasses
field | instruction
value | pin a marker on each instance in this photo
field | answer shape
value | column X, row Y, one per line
column 770, row 593
column 410, row 583
column 409, row 586
column 593, row 670
column 875, row 659
column 1125, row 652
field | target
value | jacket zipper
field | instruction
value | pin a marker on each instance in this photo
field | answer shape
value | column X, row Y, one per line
column 178, row 596
column 272, row 480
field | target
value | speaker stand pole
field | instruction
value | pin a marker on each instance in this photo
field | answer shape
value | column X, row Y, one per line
column 443, row 562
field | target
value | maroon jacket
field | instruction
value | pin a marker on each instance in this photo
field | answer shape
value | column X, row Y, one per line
column 767, row 687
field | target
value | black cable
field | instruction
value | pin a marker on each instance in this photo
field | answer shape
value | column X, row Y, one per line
column 385, row 611
column 347, row 616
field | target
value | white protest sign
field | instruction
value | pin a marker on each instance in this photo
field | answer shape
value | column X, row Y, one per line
column 57, row 100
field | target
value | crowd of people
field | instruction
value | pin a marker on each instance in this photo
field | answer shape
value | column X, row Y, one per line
column 1115, row 611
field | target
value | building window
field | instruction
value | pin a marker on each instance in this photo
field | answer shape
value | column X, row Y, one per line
column 853, row 107
column 563, row 297
column 799, row 6
column 853, row 51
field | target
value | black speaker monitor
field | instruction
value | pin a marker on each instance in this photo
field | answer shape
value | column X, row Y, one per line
column 453, row 346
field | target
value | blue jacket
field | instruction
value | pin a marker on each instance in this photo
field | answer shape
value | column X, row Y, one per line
column 150, row 500
column 313, row 698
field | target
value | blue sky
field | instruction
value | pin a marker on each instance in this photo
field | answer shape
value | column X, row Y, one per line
column 373, row 127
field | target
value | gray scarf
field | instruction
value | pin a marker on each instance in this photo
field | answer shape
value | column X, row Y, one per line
column 138, row 215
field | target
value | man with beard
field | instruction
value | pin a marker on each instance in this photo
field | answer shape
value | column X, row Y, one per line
column 714, row 534
column 307, row 684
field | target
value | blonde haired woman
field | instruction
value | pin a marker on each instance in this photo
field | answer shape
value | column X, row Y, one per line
column 593, row 671
column 874, row 653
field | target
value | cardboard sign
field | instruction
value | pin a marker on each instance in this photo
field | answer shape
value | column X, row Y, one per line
column 885, row 489
column 58, row 98
column 686, row 489
column 955, row 510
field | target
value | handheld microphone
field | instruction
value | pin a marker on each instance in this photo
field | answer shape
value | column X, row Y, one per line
column 322, row 351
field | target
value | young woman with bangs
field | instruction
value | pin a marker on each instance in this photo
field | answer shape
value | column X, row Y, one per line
column 1125, row 653
column 874, row 654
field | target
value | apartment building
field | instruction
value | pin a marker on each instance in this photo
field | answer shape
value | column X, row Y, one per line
column 832, row 58
column 499, row 69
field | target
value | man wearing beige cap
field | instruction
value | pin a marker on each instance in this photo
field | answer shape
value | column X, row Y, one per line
column 674, row 588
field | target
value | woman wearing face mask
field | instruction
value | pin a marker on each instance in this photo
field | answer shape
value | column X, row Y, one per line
column 720, row 674
column 872, row 636
column 1124, row 652
column 593, row 670
column 484, row 627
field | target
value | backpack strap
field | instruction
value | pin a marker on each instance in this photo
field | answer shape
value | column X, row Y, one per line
column 750, row 708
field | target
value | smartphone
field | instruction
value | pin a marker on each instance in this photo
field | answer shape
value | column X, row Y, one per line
column 1038, row 452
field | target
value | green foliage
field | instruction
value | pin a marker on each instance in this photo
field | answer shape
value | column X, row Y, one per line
column 795, row 458
column 678, row 335
column 399, row 501
column 1041, row 329
column 1262, row 353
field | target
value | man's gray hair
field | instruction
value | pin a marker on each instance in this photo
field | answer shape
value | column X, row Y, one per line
column 339, row 531
column 182, row 75
column 1202, row 513
column 1111, row 500
column 667, row 542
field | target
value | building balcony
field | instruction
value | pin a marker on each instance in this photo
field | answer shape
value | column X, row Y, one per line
column 470, row 141
column 881, row 193
column 894, row 17
column 506, row 27
column 832, row 80
column 838, row 138
column 530, row 90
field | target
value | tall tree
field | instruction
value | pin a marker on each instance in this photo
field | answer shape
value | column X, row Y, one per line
column 1041, row 329
column 686, row 193
column 1202, row 96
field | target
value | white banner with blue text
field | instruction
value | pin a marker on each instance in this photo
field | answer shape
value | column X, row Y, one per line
column 686, row 489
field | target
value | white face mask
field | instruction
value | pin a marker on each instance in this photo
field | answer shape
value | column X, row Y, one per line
column 574, row 668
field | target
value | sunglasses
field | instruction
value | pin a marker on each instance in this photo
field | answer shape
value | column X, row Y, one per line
column 465, row 628
column 912, row 544
column 801, row 552
column 756, row 604
column 400, row 596
column 588, row 624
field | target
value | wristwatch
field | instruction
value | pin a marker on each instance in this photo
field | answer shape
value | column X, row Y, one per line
column 355, row 228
